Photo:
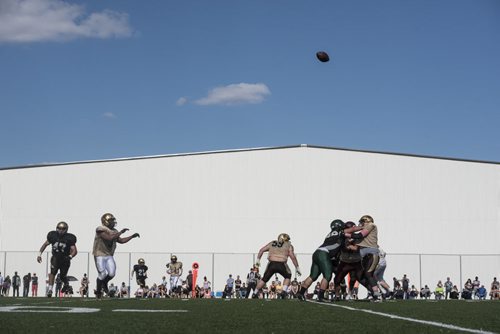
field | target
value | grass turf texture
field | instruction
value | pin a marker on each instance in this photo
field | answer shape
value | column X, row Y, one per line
column 243, row 316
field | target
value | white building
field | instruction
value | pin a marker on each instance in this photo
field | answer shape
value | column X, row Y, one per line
column 219, row 208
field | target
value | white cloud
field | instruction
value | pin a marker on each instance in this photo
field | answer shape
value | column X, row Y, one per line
column 24, row 21
column 181, row 101
column 241, row 93
column 109, row 115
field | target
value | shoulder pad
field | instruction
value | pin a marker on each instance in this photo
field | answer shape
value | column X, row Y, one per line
column 52, row 236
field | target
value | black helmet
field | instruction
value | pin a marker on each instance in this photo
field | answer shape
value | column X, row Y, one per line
column 337, row 225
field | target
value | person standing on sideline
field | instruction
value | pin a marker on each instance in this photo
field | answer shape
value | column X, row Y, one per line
column 63, row 250
column 252, row 278
column 1, row 284
column 448, row 286
column 26, row 284
column 34, row 285
column 16, row 283
column 106, row 237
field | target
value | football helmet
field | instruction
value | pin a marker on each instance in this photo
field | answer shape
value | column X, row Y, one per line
column 365, row 219
column 62, row 227
column 283, row 237
column 349, row 224
column 337, row 225
column 173, row 258
column 141, row 261
column 108, row 220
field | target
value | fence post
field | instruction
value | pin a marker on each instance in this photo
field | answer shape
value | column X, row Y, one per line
column 420, row 269
column 128, row 273
column 460, row 261
column 213, row 273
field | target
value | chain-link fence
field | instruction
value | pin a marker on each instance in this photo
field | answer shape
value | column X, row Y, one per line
column 421, row 269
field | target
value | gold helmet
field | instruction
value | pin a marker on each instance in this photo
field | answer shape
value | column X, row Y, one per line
column 283, row 237
column 173, row 258
column 141, row 261
column 108, row 220
column 62, row 227
column 365, row 219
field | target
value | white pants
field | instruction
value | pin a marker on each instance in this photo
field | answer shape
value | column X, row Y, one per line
column 106, row 266
column 174, row 282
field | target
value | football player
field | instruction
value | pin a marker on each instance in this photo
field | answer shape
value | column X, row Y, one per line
column 63, row 250
column 349, row 263
column 106, row 237
column 279, row 251
column 140, row 269
column 174, row 269
column 325, row 258
column 369, row 250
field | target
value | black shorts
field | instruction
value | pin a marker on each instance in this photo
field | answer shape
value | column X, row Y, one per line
column 141, row 281
column 276, row 268
column 61, row 264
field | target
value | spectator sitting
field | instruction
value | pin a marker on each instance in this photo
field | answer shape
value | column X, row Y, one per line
column 153, row 292
column 139, row 293
column 439, row 291
column 467, row 290
column 207, row 293
column 425, row 292
column 123, row 292
column 481, row 292
column 243, row 291
column 112, row 290
column 495, row 289
column 454, row 293
column 413, row 292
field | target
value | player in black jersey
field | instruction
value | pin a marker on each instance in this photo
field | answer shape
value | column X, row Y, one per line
column 140, row 270
column 325, row 257
column 63, row 250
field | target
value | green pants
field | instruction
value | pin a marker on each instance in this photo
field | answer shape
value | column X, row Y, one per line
column 321, row 265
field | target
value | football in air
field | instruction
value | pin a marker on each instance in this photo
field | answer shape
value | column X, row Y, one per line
column 322, row 56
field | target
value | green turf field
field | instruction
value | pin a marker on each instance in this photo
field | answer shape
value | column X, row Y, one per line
column 44, row 315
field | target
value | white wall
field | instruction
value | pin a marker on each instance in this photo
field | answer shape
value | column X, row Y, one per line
column 234, row 202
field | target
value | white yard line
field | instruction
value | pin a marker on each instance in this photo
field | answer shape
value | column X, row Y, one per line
column 151, row 311
column 392, row 316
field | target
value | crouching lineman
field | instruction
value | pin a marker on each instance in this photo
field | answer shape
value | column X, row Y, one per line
column 106, row 237
column 63, row 250
column 279, row 251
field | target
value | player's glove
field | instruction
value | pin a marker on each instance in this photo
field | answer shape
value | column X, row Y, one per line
column 124, row 230
column 297, row 271
column 257, row 263
column 136, row 235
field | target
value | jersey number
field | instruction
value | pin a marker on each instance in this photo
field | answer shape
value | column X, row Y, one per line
column 278, row 244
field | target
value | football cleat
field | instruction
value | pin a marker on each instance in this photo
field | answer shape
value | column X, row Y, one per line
column 98, row 294
column 108, row 220
column 49, row 293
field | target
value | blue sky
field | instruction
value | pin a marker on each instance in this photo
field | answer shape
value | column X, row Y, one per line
column 103, row 79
